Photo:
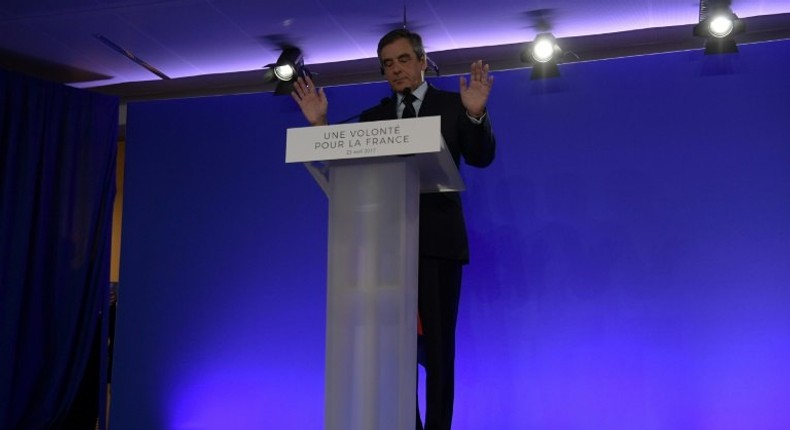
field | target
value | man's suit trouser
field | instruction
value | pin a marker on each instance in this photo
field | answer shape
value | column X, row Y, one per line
column 439, row 292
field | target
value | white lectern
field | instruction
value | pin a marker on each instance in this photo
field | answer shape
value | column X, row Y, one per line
column 373, row 174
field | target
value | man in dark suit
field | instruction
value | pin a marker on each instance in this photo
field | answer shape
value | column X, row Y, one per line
column 467, row 132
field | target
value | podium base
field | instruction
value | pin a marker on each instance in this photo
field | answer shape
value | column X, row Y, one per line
column 371, row 338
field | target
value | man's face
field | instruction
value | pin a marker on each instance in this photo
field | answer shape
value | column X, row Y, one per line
column 401, row 66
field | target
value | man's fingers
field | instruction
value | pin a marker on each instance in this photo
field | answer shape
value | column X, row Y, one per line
column 479, row 71
column 298, row 89
column 309, row 81
column 304, row 87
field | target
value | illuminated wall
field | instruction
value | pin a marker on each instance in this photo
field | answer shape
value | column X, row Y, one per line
column 630, row 250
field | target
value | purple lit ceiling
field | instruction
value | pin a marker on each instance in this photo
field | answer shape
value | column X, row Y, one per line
column 184, row 38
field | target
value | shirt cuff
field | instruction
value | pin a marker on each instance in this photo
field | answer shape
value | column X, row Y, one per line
column 477, row 121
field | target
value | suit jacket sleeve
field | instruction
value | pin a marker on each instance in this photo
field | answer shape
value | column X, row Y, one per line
column 477, row 141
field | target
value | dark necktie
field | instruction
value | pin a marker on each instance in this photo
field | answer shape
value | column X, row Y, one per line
column 408, row 109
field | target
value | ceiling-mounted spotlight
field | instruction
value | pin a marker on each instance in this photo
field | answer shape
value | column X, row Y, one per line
column 545, row 48
column 285, row 72
column 721, row 26
column 718, row 25
column 543, row 54
column 289, row 66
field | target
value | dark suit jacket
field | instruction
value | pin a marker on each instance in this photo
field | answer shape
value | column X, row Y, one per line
column 442, row 226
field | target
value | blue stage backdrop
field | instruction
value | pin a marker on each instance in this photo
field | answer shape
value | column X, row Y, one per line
column 630, row 255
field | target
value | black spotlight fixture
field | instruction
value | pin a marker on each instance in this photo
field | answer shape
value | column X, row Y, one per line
column 289, row 66
column 719, row 26
column 543, row 53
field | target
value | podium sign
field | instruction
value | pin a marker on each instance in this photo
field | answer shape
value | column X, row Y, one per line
column 420, row 137
column 373, row 187
column 364, row 139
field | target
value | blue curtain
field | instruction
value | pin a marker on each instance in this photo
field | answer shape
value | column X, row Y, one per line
column 57, row 184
